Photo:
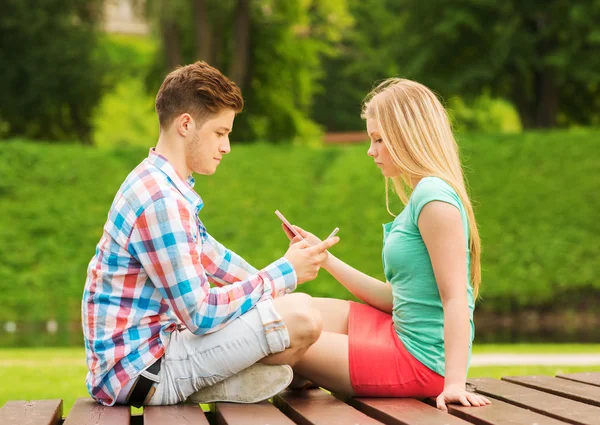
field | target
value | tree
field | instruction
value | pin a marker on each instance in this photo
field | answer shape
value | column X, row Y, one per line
column 271, row 48
column 366, row 54
column 51, row 77
column 542, row 56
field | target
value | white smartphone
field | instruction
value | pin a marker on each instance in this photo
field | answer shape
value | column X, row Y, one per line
column 287, row 224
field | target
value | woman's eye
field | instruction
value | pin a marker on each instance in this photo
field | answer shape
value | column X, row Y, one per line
column 378, row 140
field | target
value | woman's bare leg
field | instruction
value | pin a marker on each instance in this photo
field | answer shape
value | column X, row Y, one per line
column 334, row 314
column 326, row 363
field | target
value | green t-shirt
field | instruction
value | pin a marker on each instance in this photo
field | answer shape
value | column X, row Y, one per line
column 418, row 313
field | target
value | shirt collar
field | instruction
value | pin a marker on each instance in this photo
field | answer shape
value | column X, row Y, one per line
column 185, row 186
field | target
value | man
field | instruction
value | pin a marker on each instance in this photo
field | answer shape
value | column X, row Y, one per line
column 155, row 331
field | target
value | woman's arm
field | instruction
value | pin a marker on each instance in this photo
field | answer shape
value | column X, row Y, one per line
column 441, row 227
column 364, row 287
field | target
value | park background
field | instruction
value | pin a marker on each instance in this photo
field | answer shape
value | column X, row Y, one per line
column 521, row 81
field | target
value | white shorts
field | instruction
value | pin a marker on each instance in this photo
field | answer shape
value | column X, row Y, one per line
column 192, row 362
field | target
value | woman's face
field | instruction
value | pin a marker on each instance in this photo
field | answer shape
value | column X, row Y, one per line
column 379, row 152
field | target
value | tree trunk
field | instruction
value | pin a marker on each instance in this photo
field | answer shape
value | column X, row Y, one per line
column 171, row 45
column 239, row 66
column 520, row 98
column 546, row 100
column 546, row 93
column 204, row 36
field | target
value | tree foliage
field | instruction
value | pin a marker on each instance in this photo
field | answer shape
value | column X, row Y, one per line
column 273, row 49
column 51, row 77
column 542, row 56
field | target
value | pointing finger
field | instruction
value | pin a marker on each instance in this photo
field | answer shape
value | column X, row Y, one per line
column 326, row 244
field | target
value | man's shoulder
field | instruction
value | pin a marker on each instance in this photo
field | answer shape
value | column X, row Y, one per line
column 144, row 186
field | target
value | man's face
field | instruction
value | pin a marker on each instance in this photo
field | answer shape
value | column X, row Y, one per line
column 207, row 146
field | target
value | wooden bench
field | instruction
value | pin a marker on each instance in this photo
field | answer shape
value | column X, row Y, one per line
column 541, row 400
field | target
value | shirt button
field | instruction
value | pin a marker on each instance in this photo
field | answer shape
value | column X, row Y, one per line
column 288, row 290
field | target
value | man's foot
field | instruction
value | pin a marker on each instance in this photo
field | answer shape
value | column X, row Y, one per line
column 252, row 385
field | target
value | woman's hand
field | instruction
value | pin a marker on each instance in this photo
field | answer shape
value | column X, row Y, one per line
column 310, row 238
column 458, row 394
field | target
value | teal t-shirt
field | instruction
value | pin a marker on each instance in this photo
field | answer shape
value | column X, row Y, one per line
column 417, row 309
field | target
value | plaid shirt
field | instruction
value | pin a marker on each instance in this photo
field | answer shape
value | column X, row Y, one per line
column 151, row 273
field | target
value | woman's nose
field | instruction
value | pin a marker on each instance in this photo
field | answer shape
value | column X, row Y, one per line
column 371, row 152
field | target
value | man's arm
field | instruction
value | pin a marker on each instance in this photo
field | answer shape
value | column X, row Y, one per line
column 166, row 242
column 223, row 266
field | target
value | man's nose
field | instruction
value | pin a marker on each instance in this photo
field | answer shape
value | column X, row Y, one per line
column 226, row 146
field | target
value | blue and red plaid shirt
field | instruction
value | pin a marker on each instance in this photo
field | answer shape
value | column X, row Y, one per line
column 151, row 273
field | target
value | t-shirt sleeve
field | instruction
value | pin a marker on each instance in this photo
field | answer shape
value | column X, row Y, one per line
column 432, row 189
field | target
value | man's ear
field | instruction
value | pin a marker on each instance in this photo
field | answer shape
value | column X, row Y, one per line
column 184, row 123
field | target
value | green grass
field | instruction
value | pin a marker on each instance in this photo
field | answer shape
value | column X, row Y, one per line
column 500, row 371
column 49, row 373
column 537, row 348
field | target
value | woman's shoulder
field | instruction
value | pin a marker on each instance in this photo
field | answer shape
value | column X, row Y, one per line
column 432, row 186
column 431, row 189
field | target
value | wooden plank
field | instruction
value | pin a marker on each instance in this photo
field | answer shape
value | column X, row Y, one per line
column 562, row 387
column 499, row 413
column 86, row 411
column 37, row 412
column 316, row 407
column 250, row 414
column 592, row 378
column 403, row 411
column 180, row 414
column 547, row 404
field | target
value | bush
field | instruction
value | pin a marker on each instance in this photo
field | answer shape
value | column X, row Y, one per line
column 535, row 198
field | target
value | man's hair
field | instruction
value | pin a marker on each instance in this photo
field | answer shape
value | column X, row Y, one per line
column 198, row 89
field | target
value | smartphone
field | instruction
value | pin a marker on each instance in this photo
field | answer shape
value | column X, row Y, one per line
column 287, row 224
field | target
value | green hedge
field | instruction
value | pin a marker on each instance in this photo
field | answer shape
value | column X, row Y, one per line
column 536, row 195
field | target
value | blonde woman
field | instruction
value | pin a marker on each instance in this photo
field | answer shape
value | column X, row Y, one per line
column 412, row 336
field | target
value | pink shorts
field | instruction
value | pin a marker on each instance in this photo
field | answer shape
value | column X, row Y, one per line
column 380, row 366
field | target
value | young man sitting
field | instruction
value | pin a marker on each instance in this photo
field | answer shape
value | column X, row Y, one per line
column 155, row 332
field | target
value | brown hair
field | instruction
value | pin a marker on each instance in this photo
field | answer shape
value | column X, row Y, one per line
column 198, row 89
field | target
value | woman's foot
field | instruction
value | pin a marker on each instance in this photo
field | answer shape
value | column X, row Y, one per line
column 300, row 383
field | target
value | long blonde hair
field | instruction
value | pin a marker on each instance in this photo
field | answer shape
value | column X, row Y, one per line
column 416, row 131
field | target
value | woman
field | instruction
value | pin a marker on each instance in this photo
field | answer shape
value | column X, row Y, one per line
column 413, row 335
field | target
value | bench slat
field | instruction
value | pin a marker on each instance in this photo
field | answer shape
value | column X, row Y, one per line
column 403, row 411
column 547, row 404
column 250, row 414
column 592, row 378
column 562, row 387
column 500, row 413
column 37, row 412
column 316, row 407
column 86, row 411
column 181, row 414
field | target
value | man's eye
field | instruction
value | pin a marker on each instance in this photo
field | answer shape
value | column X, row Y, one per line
column 220, row 134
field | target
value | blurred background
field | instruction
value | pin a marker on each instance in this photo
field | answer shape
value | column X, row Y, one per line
column 520, row 79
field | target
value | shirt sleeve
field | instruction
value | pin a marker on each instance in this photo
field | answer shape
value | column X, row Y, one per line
column 223, row 266
column 166, row 241
column 432, row 189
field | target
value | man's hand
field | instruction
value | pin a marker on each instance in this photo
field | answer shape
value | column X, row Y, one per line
column 307, row 259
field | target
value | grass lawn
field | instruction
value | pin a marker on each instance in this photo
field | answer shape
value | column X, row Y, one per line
column 45, row 373
column 537, row 348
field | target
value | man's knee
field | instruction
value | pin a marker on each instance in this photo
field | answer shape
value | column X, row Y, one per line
column 303, row 321
column 310, row 326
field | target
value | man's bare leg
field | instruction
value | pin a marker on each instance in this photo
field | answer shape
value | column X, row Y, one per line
column 304, row 325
